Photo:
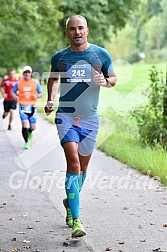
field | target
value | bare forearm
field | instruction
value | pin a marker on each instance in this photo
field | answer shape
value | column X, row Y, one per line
column 108, row 80
column 14, row 96
column 39, row 95
column 111, row 81
column 2, row 92
column 52, row 88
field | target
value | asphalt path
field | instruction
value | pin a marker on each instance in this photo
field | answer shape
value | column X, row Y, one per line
column 121, row 209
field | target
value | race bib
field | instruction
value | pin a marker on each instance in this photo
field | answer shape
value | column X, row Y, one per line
column 79, row 73
column 26, row 109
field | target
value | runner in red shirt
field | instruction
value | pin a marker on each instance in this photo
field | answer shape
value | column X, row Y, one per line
column 9, row 103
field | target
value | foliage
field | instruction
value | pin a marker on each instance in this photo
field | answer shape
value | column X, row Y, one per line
column 152, row 29
column 153, row 33
column 27, row 31
column 148, row 33
column 101, row 15
column 155, row 56
column 149, row 118
column 165, row 105
column 31, row 31
column 133, row 57
column 123, row 44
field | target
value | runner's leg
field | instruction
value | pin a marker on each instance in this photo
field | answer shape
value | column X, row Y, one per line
column 73, row 170
column 72, row 185
column 32, row 127
column 6, row 110
column 11, row 117
column 32, row 122
column 25, row 130
column 84, row 161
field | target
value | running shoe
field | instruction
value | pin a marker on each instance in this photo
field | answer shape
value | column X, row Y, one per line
column 26, row 145
column 78, row 229
column 4, row 115
column 30, row 136
column 69, row 219
column 9, row 127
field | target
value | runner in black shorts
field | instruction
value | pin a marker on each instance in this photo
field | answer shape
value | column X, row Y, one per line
column 9, row 103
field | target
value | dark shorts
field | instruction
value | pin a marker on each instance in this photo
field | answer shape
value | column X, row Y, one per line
column 12, row 104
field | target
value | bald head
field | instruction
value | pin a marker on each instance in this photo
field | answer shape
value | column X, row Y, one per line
column 75, row 17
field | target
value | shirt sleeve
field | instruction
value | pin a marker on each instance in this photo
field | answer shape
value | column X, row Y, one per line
column 54, row 69
column 107, row 66
column 15, row 88
column 39, row 89
column 2, row 84
column 54, row 64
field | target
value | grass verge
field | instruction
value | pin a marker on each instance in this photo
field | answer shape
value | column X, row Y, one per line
column 126, row 148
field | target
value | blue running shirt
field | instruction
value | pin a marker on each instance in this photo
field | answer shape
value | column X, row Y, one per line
column 79, row 94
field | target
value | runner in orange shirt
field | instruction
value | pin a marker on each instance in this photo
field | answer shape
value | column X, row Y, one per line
column 29, row 90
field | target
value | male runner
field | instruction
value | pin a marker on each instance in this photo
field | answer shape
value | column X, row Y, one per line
column 29, row 90
column 9, row 103
column 83, row 68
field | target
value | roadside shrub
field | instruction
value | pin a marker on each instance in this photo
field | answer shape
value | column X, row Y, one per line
column 150, row 118
column 133, row 57
column 156, row 55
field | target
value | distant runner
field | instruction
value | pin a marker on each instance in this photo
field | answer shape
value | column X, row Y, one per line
column 9, row 103
column 29, row 91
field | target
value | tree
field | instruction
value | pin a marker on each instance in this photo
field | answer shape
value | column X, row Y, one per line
column 101, row 15
column 146, row 10
column 27, row 31
column 154, row 33
column 123, row 44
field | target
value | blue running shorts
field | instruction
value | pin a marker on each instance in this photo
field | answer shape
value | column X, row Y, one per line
column 28, row 113
column 78, row 129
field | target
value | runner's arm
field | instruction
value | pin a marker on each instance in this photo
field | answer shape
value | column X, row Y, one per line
column 107, row 77
column 107, row 80
column 52, row 87
column 39, row 90
column 52, row 90
column 14, row 92
column 2, row 91
column 110, row 79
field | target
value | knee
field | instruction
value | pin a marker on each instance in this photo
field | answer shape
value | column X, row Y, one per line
column 33, row 127
column 73, row 166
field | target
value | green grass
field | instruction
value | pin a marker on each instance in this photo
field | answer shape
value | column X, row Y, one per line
column 140, row 75
column 118, row 134
column 124, row 145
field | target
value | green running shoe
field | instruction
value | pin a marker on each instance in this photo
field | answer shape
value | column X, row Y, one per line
column 26, row 145
column 69, row 219
column 78, row 229
column 30, row 136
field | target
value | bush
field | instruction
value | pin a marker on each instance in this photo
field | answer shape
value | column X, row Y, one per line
column 156, row 55
column 150, row 118
column 133, row 57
